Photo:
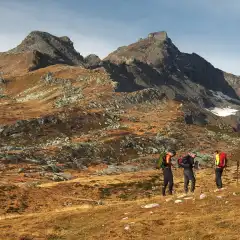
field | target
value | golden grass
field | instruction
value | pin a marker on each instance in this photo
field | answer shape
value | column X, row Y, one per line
column 210, row 218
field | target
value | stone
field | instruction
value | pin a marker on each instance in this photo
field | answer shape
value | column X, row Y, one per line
column 21, row 170
column 92, row 60
column 203, row 196
column 57, row 178
column 189, row 198
column 127, row 227
column 64, row 176
column 151, row 205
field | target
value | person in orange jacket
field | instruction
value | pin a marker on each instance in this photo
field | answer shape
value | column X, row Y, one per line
column 167, row 172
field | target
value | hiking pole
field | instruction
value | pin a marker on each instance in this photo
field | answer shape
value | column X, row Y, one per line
column 237, row 170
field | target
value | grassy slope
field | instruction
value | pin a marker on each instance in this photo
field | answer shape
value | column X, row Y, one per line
column 210, row 218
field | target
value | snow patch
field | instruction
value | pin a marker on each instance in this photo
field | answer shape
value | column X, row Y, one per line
column 223, row 112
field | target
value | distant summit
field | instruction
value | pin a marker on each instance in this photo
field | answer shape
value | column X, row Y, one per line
column 46, row 49
column 153, row 50
column 155, row 61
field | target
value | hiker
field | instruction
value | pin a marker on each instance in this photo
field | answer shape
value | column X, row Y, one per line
column 165, row 164
column 220, row 164
column 187, row 163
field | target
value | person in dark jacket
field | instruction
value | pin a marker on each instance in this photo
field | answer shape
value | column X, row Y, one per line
column 188, row 164
column 167, row 172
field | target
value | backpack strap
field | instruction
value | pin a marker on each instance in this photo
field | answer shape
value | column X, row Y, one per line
column 217, row 160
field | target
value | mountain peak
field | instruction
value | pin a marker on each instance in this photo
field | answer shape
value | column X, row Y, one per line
column 156, row 61
column 152, row 50
column 58, row 50
column 43, row 42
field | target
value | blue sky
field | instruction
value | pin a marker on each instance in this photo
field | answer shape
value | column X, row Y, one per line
column 207, row 27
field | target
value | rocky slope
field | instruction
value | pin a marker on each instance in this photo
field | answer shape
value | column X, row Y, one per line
column 88, row 115
column 234, row 81
column 153, row 62
column 42, row 49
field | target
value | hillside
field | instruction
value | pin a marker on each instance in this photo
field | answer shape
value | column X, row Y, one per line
column 81, row 209
column 79, row 138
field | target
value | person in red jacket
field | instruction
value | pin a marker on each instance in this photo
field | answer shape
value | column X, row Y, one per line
column 220, row 164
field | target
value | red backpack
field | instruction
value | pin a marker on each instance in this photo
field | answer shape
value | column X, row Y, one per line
column 222, row 160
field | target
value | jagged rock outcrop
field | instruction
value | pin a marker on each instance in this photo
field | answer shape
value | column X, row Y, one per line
column 58, row 49
column 234, row 81
column 156, row 62
column 41, row 49
column 92, row 61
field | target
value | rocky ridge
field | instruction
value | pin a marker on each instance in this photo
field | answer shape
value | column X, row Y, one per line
column 155, row 62
column 45, row 49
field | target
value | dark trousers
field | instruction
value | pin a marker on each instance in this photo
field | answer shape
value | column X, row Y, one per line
column 189, row 176
column 167, row 180
column 218, row 172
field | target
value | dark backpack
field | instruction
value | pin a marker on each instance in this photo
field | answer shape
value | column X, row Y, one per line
column 184, row 162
